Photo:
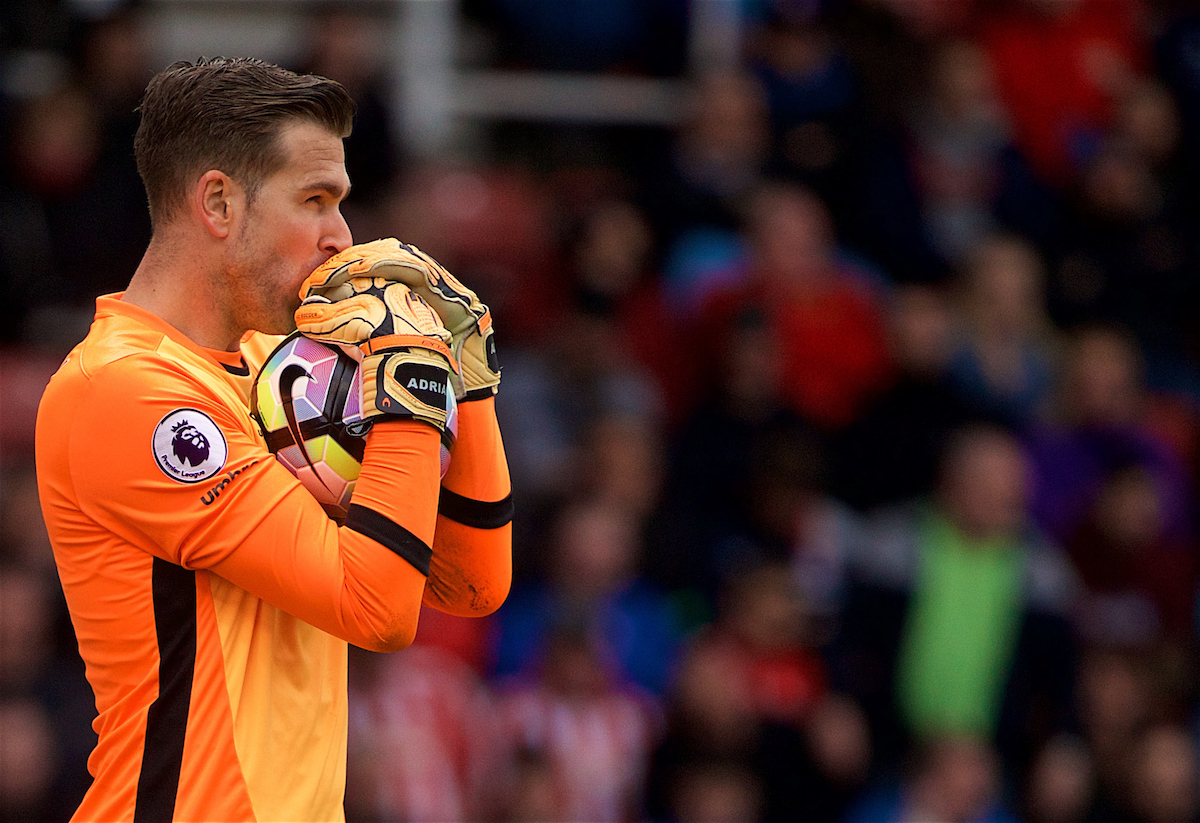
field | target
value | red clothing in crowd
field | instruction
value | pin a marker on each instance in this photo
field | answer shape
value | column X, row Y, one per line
column 830, row 339
column 1059, row 76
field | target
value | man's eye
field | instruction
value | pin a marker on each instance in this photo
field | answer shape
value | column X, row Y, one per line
column 316, row 198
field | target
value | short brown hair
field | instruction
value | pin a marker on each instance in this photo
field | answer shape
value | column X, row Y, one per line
column 226, row 114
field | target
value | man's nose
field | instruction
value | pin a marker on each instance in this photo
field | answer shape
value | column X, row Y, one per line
column 338, row 237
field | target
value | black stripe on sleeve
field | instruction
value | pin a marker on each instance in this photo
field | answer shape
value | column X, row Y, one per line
column 478, row 394
column 390, row 535
column 475, row 513
column 174, row 594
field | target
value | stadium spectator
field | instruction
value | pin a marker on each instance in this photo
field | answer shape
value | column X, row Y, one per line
column 959, row 134
column 890, row 453
column 1164, row 777
column 932, row 187
column 593, row 732
column 712, row 725
column 27, row 761
column 1138, row 582
column 708, row 499
column 114, row 67
column 956, row 621
column 612, row 271
column 809, row 749
column 1120, row 695
column 952, row 779
column 766, row 623
column 622, row 454
column 763, row 621
column 811, row 90
column 1124, row 253
column 56, row 192
column 425, row 739
column 1003, row 360
column 718, row 156
column 1061, row 65
column 592, row 582
column 1060, row 786
column 584, row 407
column 823, row 315
column 1098, row 423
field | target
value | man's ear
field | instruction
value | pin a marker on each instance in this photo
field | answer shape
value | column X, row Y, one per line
column 218, row 201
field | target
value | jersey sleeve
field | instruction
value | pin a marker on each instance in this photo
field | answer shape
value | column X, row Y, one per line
column 163, row 462
column 471, row 569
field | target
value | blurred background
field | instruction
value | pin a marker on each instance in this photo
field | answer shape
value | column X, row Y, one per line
column 851, row 382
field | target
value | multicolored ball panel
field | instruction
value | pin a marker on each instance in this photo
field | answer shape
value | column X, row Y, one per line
column 320, row 388
column 309, row 395
column 330, row 472
column 324, row 389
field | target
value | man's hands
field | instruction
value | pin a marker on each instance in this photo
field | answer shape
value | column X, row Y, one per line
column 406, row 360
column 467, row 319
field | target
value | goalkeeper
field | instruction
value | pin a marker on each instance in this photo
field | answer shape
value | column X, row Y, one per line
column 214, row 626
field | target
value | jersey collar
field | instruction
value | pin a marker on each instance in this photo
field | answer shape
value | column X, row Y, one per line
column 112, row 305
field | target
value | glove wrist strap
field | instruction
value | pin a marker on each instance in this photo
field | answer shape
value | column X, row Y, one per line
column 377, row 345
column 408, row 382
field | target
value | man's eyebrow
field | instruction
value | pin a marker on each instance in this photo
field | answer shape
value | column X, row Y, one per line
column 331, row 187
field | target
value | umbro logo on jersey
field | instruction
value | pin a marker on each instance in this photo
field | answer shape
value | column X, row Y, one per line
column 188, row 446
column 212, row 494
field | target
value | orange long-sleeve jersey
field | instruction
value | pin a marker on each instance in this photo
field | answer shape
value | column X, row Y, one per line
column 211, row 596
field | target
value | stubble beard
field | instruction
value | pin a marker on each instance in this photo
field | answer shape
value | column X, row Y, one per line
column 254, row 277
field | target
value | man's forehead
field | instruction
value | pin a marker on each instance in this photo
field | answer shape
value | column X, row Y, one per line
column 310, row 142
column 314, row 155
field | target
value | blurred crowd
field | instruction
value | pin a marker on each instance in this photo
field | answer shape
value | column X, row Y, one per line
column 854, row 422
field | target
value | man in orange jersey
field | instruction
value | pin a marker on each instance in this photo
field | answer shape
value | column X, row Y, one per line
column 214, row 627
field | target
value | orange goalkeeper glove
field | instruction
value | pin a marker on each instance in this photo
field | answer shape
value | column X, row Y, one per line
column 404, row 348
column 466, row 317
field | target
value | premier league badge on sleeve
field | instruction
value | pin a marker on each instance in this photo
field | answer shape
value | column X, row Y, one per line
column 188, row 446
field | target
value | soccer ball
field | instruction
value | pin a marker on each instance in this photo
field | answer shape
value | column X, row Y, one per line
column 307, row 400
